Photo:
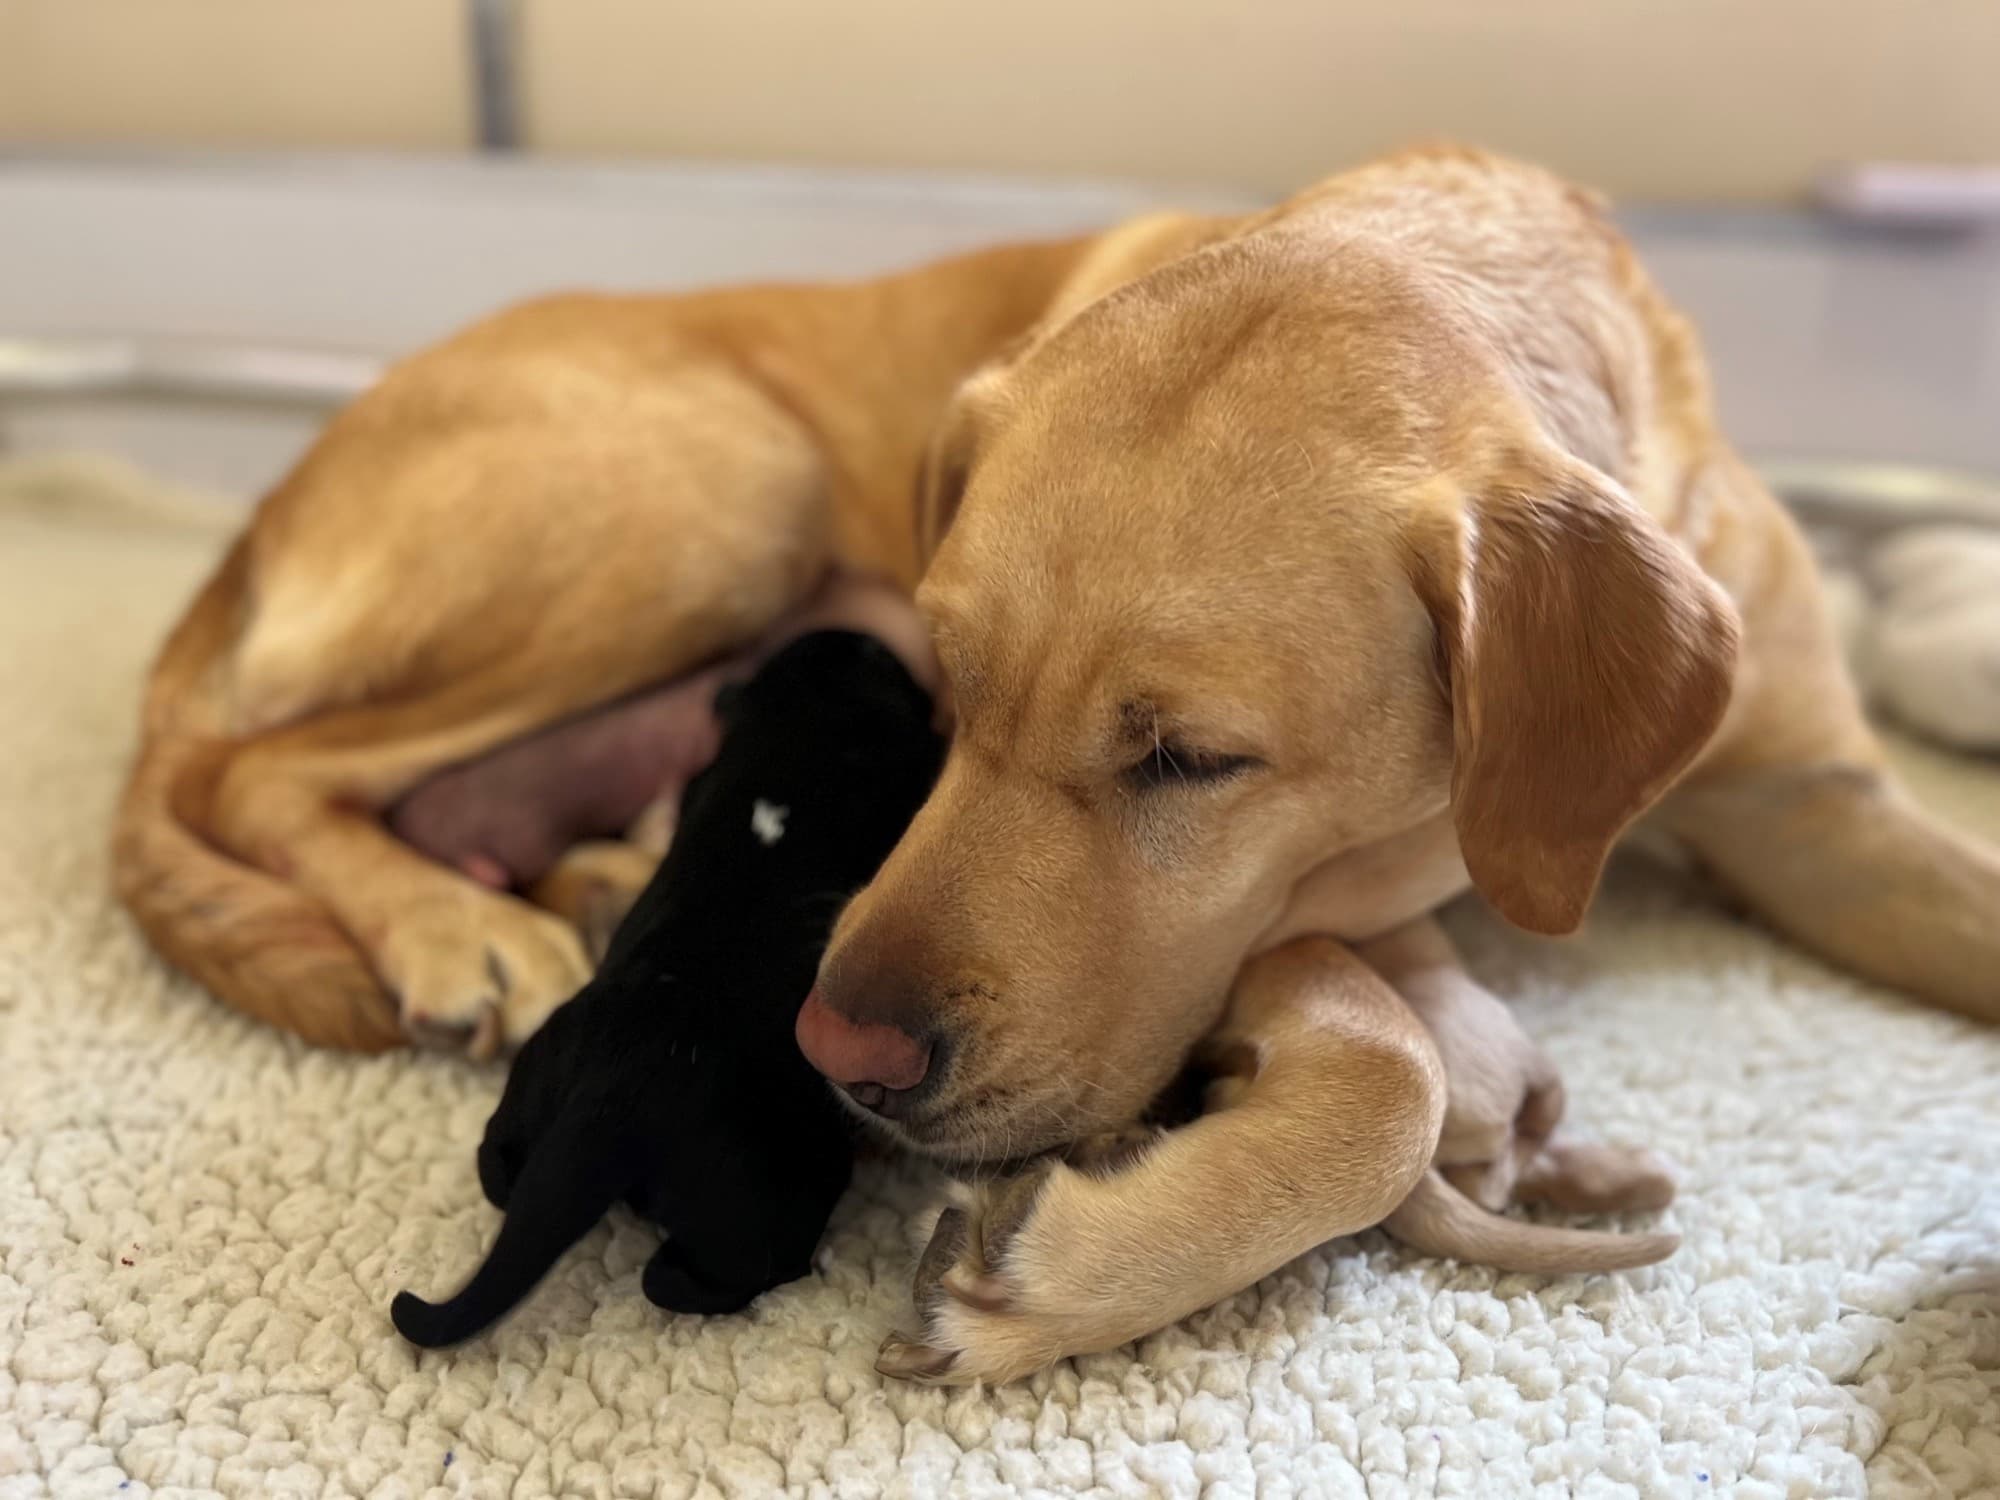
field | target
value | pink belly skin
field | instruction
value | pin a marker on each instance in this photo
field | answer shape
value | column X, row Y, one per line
column 507, row 817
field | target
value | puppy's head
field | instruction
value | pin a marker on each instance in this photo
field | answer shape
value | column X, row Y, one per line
column 1244, row 566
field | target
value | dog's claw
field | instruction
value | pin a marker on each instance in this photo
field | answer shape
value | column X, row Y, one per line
column 905, row 1359
column 963, row 1276
column 439, row 1034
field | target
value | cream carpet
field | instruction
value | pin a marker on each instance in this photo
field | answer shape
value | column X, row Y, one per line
column 201, row 1225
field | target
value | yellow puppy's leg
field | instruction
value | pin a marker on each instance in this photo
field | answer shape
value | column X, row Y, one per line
column 1505, row 1097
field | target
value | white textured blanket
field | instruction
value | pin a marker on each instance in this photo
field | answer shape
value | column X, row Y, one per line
column 201, row 1226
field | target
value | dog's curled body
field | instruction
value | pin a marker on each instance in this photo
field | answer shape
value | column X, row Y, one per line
column 672, row 1081
column 1289, row 574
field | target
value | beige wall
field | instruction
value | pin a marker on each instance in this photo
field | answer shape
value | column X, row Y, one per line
column 1654, row 98
column 234, row 72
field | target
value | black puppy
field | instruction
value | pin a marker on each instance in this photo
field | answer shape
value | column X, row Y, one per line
column 672, row 1080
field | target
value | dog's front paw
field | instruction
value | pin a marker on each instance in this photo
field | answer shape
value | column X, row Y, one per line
column 984, row 1315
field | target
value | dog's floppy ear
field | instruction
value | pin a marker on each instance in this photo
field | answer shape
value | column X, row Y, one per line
column 1588, row 660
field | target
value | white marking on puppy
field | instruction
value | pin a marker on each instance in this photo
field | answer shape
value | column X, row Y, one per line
column 768, row 821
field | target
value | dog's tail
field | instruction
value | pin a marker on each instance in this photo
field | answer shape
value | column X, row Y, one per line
column 568, row 1184
column 1439, row 1220
column 265, row 947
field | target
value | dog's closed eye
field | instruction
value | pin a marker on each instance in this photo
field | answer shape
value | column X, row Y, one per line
column 1169, row 763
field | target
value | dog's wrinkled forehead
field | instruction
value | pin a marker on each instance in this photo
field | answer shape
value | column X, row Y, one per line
column 1233, row 549
column 1152, row 568
column 1076, row 675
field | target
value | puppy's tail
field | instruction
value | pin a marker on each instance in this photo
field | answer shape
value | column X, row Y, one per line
column 263, row 946
column 566, row 1187
column 1439, row 1220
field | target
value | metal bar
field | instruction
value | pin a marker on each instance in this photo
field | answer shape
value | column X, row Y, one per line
column 490, row 31
column 50, row 367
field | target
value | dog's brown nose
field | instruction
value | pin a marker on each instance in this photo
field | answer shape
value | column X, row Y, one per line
column 857, row 1053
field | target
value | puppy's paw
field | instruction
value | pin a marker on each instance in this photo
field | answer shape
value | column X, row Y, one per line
column 1589, row 1177
column 1483, row 1151
column 976, row 1299
column 477, row 970
column 674, row 1285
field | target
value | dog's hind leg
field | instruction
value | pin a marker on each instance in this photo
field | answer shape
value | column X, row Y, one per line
column 1795, row 810
column 609, row 560
column 462, row 960
column 1838, row 856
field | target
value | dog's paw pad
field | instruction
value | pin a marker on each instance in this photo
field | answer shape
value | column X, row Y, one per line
column 974, row 1290
column 470, row 1024
column 1647, row 1183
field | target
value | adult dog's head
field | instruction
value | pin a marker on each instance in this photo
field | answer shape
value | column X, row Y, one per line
column 1251, row 562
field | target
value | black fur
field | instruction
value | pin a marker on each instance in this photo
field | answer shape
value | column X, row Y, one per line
column 672, row 1080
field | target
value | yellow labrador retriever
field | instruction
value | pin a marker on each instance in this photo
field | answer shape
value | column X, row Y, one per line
column 1296, row 574
column 1290, row 574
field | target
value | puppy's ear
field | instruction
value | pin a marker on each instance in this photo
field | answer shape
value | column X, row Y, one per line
column 1588, row 660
